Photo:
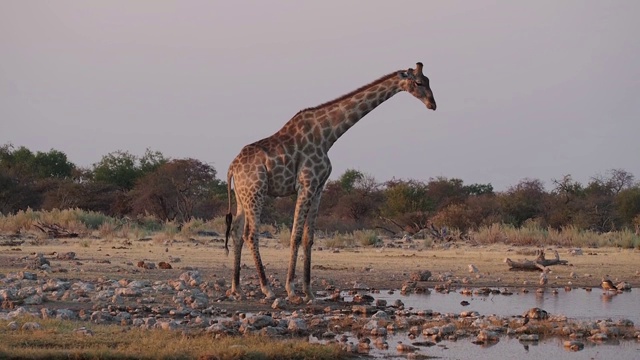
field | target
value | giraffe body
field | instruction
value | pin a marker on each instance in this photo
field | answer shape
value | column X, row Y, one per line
column 295, row 160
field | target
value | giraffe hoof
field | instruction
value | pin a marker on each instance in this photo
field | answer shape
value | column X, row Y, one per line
column 309, row 297
column 269, row 295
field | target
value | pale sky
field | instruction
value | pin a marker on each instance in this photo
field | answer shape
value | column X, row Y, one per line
column 525, row 89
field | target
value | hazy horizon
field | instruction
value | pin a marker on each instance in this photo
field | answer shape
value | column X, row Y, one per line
column 524, row 90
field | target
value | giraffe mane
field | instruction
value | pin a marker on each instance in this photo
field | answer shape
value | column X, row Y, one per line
column 349, row 94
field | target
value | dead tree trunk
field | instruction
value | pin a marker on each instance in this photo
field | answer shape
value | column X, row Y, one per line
column 538, row 265
column 55, row 230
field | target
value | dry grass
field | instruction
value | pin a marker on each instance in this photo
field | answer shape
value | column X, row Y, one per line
column 86, row 222
column 57, row 340
column 532, row 234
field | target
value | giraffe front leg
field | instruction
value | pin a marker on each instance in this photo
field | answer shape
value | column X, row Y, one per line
column 302, row 208
column 309, row 230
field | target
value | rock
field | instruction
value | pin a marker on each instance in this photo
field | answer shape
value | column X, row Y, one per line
column 488, row 336
column 405, row 347
column 33, row 300
column 166, row 325
column 55, row 284
column 100, row 317
column 9, row 294
column 47, row 313
column 573, row 345
column 36, row 262
column 192, row 278
column 624, row 323
column 598, row 337
column 381, row 303
column 66, row 256
column 297, row 326
column 137, row 284
column 164, row 265
column 363, row 309
column 177, row 285
column 360, row 286
column 423, row 275
column 12, row 326
column 473, row 269
column 127, row 292
column 623, row 286
column 83, row 331
column 575, row 251
column 278, row 303
column 66, row 314
column 536, row 314
column 529, row 337
column 447, row 329
column 30, row 326
column 218, row 329
column 380, row 315
column 260, row 321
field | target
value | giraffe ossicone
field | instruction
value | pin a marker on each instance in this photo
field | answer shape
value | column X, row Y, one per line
column 294, row 160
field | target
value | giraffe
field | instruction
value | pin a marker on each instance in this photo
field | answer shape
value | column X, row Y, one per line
column 295, row 160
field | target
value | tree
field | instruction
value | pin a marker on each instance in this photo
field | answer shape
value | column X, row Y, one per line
column 52, row 164
column 117, row 168
column 627, row 203
column 407, row 205
column 176, row 190
column 444, row 192
column 524, row 201
column 349, row 179
column 151, row 160
column 479, row 189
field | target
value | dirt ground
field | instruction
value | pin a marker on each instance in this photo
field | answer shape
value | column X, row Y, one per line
column 378, row 268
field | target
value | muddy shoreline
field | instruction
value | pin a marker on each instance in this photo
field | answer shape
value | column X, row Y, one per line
column 121, row 281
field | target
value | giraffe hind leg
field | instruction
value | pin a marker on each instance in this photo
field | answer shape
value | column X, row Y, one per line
column 251, row 236
column 238, row 240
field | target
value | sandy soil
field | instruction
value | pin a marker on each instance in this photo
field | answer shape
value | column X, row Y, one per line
column 379, row 268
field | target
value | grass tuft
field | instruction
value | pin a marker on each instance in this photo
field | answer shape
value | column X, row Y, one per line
column 57, row 340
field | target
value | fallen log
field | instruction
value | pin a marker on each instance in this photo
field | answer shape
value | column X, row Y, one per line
column 11, row 243
column 55, row 230
column 538, row 265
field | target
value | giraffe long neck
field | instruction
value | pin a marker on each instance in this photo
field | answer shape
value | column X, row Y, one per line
column 326, row 123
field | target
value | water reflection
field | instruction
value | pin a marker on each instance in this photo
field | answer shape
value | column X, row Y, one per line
column 577, row 304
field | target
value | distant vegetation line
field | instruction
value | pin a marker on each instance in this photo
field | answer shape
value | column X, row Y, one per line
column 152, row 189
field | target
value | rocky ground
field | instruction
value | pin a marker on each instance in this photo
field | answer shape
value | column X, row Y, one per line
column 182, row 285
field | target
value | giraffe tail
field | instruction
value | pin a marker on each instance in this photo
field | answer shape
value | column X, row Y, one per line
column 229, row 217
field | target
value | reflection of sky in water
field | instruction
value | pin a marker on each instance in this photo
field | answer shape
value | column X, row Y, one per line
column 577, row 304
column 508, row 348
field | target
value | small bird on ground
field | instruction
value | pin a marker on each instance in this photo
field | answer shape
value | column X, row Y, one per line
column 543, row 279
column 607, row 285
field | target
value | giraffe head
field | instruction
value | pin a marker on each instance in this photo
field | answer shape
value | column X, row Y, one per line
column 415, row 83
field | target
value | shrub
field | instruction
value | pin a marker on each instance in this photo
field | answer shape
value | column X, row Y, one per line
column 91, row 219
column 366, row 237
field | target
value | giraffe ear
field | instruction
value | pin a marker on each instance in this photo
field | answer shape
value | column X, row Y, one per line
column 419, row 68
